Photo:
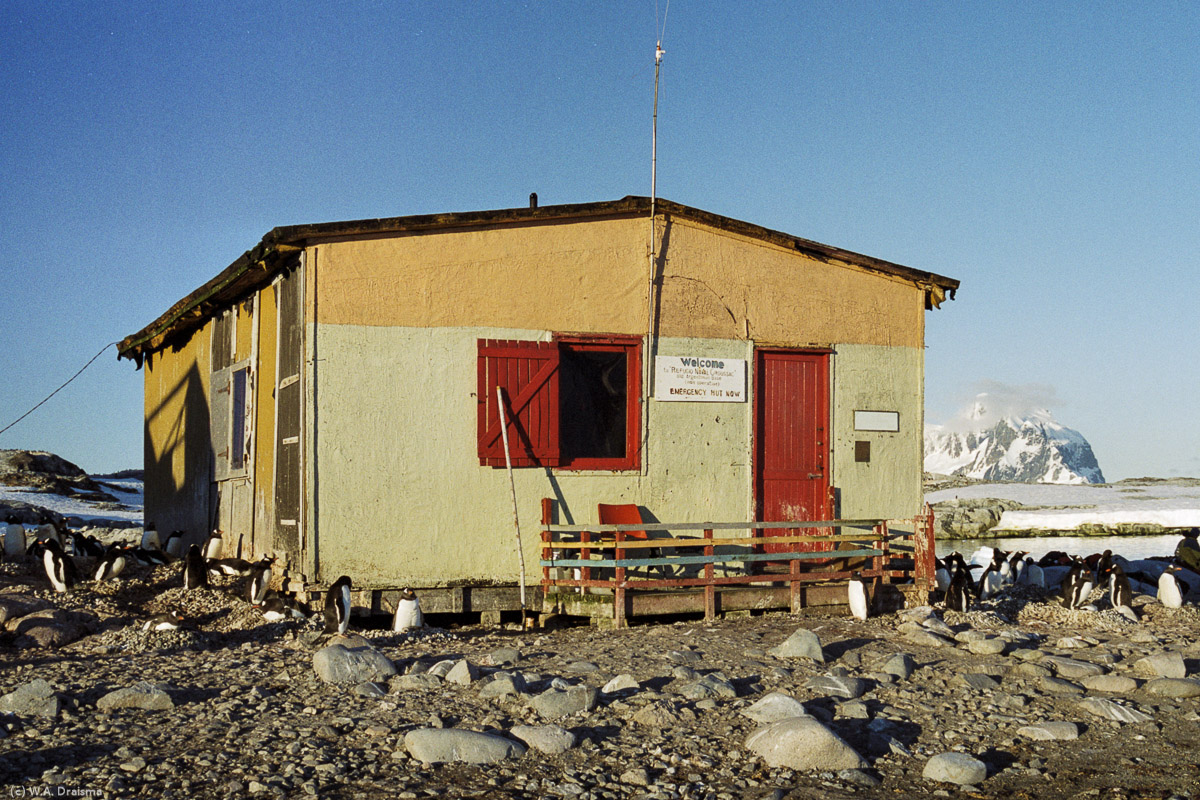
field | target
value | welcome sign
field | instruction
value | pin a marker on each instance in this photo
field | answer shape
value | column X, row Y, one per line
column 700, row 379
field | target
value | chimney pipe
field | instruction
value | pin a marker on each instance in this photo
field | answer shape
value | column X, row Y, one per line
column 533, row 199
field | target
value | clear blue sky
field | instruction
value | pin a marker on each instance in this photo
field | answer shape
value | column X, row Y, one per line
column 1045, row 154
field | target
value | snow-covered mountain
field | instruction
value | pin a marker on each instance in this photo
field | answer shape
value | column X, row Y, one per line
column 1030, row 448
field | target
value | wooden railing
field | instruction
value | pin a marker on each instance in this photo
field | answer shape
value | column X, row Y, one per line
column 583, row 557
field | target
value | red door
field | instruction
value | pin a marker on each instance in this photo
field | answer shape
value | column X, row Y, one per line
column 792, row 439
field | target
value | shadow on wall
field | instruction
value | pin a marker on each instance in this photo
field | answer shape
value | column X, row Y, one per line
column 179, row 427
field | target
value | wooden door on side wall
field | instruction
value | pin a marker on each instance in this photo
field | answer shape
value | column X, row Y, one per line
column 289, row 413
column 792, row 440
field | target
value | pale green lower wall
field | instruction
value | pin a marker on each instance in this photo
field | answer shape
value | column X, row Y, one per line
column 877, row 378
column 397, row 495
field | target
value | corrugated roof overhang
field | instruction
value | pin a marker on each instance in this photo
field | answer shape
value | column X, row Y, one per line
column 259, row 266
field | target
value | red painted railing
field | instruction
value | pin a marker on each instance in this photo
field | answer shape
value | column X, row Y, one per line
column 583, row 557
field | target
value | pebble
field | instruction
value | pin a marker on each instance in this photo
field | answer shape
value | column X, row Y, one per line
column 1173, row 687
column 957, row 768
column 1162, row 665
column 251, row 717
column 1107, row 709
column 1050, row 731
column 801, row 644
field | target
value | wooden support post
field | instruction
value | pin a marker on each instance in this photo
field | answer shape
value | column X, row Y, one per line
column 547, row 540
column 585, row 573
column 794, row 599
column 924, row 550
column 710, row 589
column 881, row 563
column 619, row 583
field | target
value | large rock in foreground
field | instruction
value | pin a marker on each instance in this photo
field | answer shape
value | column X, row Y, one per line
column 441, row 745
column 802, row 743
column 352, row 660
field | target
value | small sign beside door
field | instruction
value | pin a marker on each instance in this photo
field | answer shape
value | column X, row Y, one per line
column 877, row 421
column 700, row 379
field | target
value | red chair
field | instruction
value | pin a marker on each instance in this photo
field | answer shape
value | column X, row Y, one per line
column 629, row 514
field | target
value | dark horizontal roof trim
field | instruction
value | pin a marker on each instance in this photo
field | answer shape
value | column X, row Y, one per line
column 257, row 267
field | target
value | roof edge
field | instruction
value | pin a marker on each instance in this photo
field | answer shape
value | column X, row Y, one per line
column 259, row 265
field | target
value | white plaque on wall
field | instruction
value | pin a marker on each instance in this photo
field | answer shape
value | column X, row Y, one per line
column 700, row 379
column 877, row 421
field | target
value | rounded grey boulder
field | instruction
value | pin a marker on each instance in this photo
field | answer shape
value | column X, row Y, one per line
column 441, row 745
column 957, row 768
column 801, row 644
column 355, row 662
column 802, row 743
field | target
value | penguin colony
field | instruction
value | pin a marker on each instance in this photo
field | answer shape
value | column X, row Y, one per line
column 958, row 587
column 55, row 551
column 54, row 546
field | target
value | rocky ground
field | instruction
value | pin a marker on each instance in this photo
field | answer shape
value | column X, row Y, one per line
column 1031, row 701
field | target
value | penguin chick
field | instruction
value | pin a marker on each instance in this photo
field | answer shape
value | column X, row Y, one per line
column 337, row 606
column 859, row 599
column 408, row 612
column 195, row 572
column 168, row 621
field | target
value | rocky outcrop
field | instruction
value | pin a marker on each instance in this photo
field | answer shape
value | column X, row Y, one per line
column 970, row 518
column 46, row 472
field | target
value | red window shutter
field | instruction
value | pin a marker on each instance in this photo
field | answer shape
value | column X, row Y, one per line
column 528, row 374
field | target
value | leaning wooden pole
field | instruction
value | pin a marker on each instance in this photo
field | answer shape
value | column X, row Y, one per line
column 512, row 486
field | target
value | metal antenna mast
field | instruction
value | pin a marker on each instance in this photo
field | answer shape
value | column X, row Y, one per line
column 647, row 365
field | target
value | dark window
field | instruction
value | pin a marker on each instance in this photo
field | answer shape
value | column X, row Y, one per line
column 237, row 455
column 593, row 402
column 573, row 403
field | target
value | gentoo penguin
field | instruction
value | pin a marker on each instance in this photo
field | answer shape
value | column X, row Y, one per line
column 1055, row 558
column 37, row 549
column 88, row 546
column 958, row 595
column 1003, row 567
column 1033, row 575
column 991, row 580
column 60, row 569
column 1077, row 586
column 195, row 571
column 46, row 531
column 150, row 540
column 941, row 575
column 337, row 606
column 169, row 621
column 1016, row 565
column 1119, row 593
column 229, row 566
column 408, row 612
column 1103, row 565
column 14, row 540
column 260, row 579
column 174, row 544
column 283, row 606
column 212, row 545
column 1170, row 593
column 859, row 602
column 149, row 558
column 111, row 564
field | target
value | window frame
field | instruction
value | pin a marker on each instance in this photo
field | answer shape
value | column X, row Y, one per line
column 632, row 347
column 541, row 445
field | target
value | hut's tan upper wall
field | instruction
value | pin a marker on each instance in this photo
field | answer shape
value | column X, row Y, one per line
column 592, row 277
